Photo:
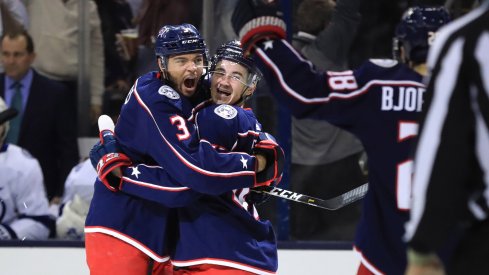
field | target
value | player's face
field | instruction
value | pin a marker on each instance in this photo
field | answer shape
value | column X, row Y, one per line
column 15, row 57
column 228, row 81
column 185, row 71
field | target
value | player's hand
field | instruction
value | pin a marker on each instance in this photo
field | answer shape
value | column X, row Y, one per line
column 257, row 20
column 106, row 157
column 268, row 148
column 256, row 196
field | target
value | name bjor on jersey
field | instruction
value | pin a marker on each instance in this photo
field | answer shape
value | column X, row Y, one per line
column 396, row 98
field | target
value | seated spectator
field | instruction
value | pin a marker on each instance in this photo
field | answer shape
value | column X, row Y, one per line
column 24, row 207
column 46, row 125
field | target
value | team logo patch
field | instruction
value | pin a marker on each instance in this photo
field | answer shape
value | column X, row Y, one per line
column 168, row 92
column 226, row 111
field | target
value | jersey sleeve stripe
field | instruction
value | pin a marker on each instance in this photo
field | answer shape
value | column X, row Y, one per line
column 332, row 95
column 154, row 186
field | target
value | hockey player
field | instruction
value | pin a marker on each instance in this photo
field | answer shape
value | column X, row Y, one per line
column 153, row 128
column 24, row 207
column 249, row 245
column 379, row 103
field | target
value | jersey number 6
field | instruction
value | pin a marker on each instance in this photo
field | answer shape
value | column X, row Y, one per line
column 407, row 130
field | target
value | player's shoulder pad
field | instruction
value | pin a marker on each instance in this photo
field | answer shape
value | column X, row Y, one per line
column 385, row 63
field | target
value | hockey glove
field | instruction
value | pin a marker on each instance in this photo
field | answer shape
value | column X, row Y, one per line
column 257, row 197
column 106, row 158
column 275, row 157
column 257, row 20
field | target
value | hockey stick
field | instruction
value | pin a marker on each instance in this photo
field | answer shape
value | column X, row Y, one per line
column 329, row 204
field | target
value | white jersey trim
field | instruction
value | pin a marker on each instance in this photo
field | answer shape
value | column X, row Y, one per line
column 127, row 239
column 222, row 262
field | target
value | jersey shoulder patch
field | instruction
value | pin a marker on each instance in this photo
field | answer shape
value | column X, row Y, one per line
column 226, row 111
column 168, row 92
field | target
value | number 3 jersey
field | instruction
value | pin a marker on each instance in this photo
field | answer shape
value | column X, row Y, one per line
column 153, row 130
column 379, row 103
column 220, row 229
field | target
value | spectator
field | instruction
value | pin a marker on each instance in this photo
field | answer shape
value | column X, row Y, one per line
column 13, row 17
column 116, row 16
column 24, row 206
column 319, row 149
column 451, row 183
column 153, row 15
column 46, row 124
column 54, row 29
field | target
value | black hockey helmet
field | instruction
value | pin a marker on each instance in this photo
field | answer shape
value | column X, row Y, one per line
column 417, row 31
column 179, row 39
column 232, row 51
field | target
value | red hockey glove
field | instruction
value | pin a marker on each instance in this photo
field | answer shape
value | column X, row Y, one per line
column 257, row 20
column 106, row 157
column 275, row 157
column 108, row 163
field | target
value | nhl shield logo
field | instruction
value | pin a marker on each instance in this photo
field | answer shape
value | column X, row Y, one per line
column 226, row 111
column 168, row 92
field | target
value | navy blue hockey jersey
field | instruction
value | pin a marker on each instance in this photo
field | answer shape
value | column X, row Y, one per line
column 153, row 129
column 216, row 229
column 379, row 103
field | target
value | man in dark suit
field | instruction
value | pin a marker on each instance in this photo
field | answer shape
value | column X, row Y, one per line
column 46, row 126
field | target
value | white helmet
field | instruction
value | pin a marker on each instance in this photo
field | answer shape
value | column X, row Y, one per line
column 6, row 114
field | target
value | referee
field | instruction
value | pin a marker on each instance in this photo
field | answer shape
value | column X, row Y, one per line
column 451, row 180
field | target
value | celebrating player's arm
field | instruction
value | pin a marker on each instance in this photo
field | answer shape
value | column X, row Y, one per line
column 303, row 88
column 153, row 182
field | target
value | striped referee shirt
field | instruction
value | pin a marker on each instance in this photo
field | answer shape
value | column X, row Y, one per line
column 451, row 172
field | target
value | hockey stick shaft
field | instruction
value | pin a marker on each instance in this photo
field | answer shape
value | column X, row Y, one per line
column 329, row 204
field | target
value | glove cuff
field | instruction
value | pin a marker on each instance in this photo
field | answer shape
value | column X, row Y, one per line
column 269, row 25
column 112, row 182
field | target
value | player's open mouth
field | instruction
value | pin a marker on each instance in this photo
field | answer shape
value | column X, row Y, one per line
column 189, row 83
column 222, row 92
